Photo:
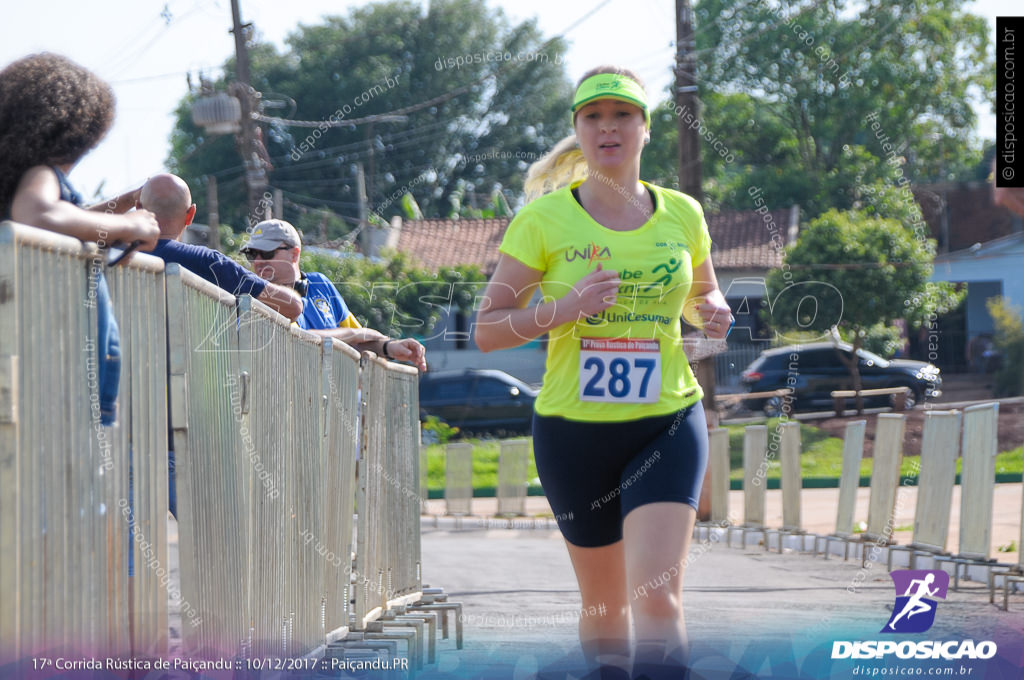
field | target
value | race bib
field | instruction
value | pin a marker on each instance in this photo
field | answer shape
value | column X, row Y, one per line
column 620, row 370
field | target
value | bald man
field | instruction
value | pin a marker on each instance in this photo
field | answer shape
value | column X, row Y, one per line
column 168, row 197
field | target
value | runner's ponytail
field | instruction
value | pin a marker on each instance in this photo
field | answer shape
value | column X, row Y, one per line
column 560, row 167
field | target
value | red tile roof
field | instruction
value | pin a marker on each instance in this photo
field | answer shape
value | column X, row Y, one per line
column 741, row 240
column 971, row 216
column 446, row 243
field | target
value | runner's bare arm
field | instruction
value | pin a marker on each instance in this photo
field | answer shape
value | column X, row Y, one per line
column 504, row 320
column 705, row 305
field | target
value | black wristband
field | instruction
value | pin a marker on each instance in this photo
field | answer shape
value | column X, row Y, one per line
column 384, row 348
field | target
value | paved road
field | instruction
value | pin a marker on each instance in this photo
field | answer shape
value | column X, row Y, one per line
column 521, row 605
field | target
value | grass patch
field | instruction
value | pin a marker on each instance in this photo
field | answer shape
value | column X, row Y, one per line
column 821, row 454
column 822, row 457
column 485, row 463
column 1007, row 462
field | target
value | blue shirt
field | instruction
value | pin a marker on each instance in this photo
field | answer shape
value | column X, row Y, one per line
column 323, row 307
column 109, row 336
column 215, row 267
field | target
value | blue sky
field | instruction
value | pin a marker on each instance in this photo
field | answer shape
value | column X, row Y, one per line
column 145, row 53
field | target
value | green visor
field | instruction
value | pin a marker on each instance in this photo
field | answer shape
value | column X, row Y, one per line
column 611, row 86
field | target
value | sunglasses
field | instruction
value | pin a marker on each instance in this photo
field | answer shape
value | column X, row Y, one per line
column 255, row 254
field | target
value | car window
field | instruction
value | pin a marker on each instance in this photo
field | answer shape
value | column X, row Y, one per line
column 489, row 387
column 455, row 389
column 819, row 358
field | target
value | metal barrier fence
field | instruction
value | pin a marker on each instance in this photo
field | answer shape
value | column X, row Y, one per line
column 885, row 476
column 939, row 448
column 283, row 409
column 458, row 479
column 719, row 463
column 139, row 297
column 387, row 572
column 208, row 407
column 513, row 468
column 341, row 371
column 264, row 429
column 64, row 475
column 980, row 446
column 755, row 469
column 849, row 476
column 792, row 480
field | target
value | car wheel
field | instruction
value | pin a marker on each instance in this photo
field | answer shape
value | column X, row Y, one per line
column 774, row 407
column 913, row 397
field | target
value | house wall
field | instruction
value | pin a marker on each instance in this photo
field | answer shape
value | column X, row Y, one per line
column 986, row 276
column 1003, row 267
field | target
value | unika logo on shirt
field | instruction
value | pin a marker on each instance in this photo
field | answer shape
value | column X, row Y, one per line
column 591, row 253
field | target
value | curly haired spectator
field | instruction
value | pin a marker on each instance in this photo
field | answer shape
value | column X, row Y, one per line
column 53, row 112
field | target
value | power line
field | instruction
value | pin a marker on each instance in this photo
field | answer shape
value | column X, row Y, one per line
column 370, row 119
column 176, row 74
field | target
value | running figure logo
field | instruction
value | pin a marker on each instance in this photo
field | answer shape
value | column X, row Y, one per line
column 913, row 611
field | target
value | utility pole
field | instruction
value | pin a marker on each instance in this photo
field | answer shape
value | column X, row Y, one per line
column 255, row 173
column 372, row 161
column 213, row 217
column 690, row 177
column 370, row 144
column 364, row 225
column 278, row 207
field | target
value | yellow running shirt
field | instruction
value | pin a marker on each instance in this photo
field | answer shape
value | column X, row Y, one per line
column 626, row 362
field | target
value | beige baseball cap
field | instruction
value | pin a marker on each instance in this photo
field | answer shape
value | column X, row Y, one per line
column 271, row 234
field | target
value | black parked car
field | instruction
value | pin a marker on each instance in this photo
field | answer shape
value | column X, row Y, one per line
column 813, row 371
column 478, row 400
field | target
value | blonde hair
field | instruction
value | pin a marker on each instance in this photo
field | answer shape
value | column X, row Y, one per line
column 565, row 164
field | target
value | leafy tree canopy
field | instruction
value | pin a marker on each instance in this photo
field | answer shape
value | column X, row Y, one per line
column 393, row 295
column 852, row 271
column 805, row 96
column 501, row 93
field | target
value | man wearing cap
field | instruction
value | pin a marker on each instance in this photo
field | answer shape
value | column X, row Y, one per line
column 168, row 197
column 273, row 249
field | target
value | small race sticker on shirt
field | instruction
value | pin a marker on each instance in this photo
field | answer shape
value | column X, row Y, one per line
column 620, row 370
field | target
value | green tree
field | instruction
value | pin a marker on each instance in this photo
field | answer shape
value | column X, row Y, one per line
column 498, row 93
column 393, row 295
column 851, row 272
column 807, row 94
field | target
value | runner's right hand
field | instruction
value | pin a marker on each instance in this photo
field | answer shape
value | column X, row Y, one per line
column 595, row 292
